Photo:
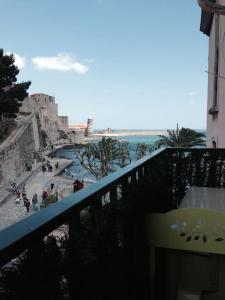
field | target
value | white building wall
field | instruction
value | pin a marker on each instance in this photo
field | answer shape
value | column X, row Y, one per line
column 216, row 124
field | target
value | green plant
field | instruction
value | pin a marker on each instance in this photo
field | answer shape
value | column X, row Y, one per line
column 101, row 158
column 11, row 93
column 184, row 137
column 50, row 200
column 141, row 150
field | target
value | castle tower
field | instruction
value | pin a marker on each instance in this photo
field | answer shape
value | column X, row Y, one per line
column 90, row 126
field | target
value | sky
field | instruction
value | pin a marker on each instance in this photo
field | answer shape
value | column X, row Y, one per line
column 130, row 64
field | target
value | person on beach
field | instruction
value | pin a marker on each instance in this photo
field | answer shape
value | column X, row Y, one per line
column 44, row 197
column 49, row 190
column 37, row 207
column 75, row 185
column 49, row 167
column 43, row 169
column 26, row 204
column 17, row 201
column 24, row 194
column 57, row 165
column 80, row 185
column 17, row 194
column 52, row 187
column 34, row 201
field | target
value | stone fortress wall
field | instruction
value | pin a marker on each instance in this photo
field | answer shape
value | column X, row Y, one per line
column 20, row 147
column 78, row 132
column 38, row 125
column 47, row 109
column 65, row 122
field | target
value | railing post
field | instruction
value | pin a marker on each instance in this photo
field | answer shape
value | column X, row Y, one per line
column 134, row 177
column 124, row 188
column 74, row 226
column 72, row 255
column 141, row 174
column 94, row 208
column 113, row 196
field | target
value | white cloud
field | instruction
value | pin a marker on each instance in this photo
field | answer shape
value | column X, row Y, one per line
column 61, row 62
column 20, row 61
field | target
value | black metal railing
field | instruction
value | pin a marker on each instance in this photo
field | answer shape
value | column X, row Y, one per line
column 91, row 245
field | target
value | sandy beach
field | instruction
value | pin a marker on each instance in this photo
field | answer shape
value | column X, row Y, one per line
column 132, row 133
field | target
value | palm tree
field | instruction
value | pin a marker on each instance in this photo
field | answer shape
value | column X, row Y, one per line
column 102, row 158
column 184, row 137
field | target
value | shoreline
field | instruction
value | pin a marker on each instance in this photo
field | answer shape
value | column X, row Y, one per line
column 133, row 133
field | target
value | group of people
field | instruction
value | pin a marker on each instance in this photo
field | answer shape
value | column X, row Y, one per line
column 22, row 196
column 48, row 167
column 47, row 192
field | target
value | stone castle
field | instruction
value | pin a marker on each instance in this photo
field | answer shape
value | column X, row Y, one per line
column 54, row 126
column 38, row 126
column 77, row 132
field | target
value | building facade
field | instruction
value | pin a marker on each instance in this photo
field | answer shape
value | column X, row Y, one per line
column 76, row 133
column 213, row 25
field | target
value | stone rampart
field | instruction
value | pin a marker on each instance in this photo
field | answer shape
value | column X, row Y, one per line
column 45, row 106
column 19, row 148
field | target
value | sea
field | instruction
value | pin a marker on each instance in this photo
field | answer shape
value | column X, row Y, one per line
column 75, row 170
column 133, row 137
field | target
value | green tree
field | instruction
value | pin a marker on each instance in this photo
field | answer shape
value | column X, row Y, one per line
column 184, row 137
column 141, row 150
column 11, row 93
column 124, row 154
column 101, row 158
